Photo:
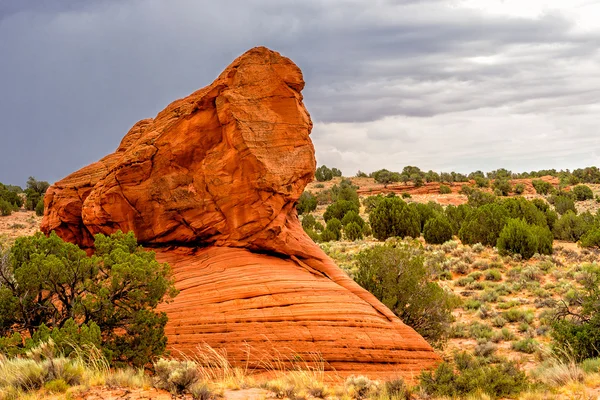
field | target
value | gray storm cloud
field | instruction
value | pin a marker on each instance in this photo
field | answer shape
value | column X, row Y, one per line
column 389, row 83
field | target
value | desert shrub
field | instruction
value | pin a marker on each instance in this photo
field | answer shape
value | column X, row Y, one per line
column 582, row 192
column 393, row 217
column 483, row 225
column 437, row 230
column 471, row 304
column 39, row 208
column 339, row 209
column 521, row 208
column 444, row 189
column 518, row 237
column 334, row 226
column 591, row 365
column 371, row 202
column 6, row 208
column 562, row 204
column 353, row 231
column 352, row 216
column 470, row 375
column 425, row 212
column 47, row 283
column 478, row 198
column 326, row 236
column 503, row 186
column 481, row 182
column 177, row 377
column 541, row 187
column 456, row 216
column 361, row 174
column 306, row 203
column 576, row 327
column 323, row 174
column 308, row 221
column 572, row 227
column 396, row 275
column 345, row 191
column 519, row 188
column 360, row 387
column 591, row 238
column 525, row 345
column 493, row 275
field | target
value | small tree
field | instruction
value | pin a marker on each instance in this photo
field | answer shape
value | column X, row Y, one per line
column 396, row 275
column 306, row 203
column 517, row 237
column 503, row 186
column 444, row 189
column 576, row 328
column 393, row 217
column 562, row 204
column 583, row 192
column 437, row 230
column 47, row 282
column 483, row 225
column 353, row 231
column 323, row 174
column 339, row 209
column 541, row 187
column 519, row 188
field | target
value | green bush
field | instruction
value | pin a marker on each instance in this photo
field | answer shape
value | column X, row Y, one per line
column 335, row 227
column 444, row 189
column 572, row 227
column 308, row 221
column 306, row 203
column 393, row 217
column 39, row 208
column 519, row 188
column 583, row 192
column 541, row 187
column 576, row 326
column 521, row 208
column 437, row 230
column 457, row 215
column 591, row 238
column 6, row 208
column 396, row 275
column 503, row 186
column 353, row 231
column 470, row 375
column 481, row 182
column 47, row 284
column 478, row 198
column 484, row 225
column 323, row 174
column 563, row 204
column 518, row 237
column 339, row 209
column 525, row 345
column 352, row 216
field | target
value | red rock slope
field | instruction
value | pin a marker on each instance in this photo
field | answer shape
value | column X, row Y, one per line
column 212, row 183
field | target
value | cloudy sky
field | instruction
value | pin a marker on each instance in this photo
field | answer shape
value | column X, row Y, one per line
column 445, row 85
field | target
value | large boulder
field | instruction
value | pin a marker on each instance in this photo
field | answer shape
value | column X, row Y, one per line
column 211, row 183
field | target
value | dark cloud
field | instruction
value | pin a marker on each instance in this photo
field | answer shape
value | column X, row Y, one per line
column 75, row 75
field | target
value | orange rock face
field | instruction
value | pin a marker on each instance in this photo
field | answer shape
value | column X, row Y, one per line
column 212, row 184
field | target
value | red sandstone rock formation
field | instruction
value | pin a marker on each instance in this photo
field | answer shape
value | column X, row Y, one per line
column 212, row 183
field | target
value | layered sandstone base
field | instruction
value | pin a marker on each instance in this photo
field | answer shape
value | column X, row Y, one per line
column 264, row 310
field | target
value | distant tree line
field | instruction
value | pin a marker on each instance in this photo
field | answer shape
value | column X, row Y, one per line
column 12, row 198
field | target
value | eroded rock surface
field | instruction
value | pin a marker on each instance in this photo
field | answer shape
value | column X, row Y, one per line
column 212, row 183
